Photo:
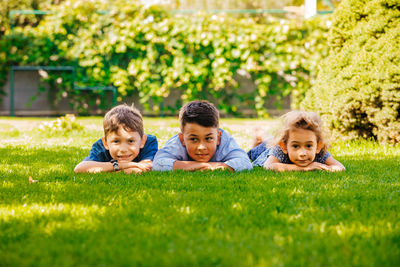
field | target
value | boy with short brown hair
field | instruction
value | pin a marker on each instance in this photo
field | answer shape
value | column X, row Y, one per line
column 124, row 146
column 201, row 144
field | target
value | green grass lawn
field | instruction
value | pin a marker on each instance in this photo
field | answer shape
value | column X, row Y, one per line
column 256, row 218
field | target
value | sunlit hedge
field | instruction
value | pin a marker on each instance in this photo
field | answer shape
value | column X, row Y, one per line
column 358, row 87
column 6, row 6
column 149, row 52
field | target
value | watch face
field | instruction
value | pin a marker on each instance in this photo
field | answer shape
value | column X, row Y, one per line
column 115, row 165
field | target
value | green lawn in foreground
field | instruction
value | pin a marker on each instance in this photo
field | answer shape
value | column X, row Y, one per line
column 257, row 218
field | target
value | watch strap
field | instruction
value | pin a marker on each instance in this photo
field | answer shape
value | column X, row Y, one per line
column 115, row 165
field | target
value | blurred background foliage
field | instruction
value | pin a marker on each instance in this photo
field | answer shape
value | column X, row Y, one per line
column 358, row 86
column 8, row 5
column 345, row 66
column 148, row 52
column 244, row 4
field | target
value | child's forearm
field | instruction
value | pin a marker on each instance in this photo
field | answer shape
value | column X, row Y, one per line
column 96, row 166
column 219, row 166
column 195, row 165
column 283, row 167
column 188, row 165
column 93, row 167
column 334, row 165
column 144, row 165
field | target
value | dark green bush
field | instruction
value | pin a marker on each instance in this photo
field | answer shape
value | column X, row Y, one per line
column 358, row 86
column 149, row 53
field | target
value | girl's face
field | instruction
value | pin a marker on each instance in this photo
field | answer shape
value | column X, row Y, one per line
column 301, row 147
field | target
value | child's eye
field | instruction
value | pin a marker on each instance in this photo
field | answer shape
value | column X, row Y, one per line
column 295, row 146
column 115, row 141
column 193, row 139
column 309, row 146
column 209, row 139
column 131, row 141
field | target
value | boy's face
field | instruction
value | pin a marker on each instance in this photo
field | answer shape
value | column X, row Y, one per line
column 200, row 142
column 301, row 147
column 124, row 146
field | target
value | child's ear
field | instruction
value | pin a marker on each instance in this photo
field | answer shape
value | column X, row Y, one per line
column 103, row 139
column 143, row 142
column 219, row 138
column 182, row 139
column 283, row 147
column 320, row 145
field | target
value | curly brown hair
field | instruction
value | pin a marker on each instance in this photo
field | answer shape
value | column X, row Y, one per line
column 302, row 120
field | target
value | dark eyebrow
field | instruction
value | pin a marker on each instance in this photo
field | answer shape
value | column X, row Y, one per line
column 192, row 135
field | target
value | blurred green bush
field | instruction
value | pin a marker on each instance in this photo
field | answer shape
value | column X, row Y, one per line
column 147, row 52
column 8, row 5
column 358, row 87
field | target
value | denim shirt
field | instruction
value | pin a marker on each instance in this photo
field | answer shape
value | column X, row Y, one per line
column 228, row 152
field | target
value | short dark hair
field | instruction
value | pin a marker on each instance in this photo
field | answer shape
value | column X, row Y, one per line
column 201, row 112
column 123, row 115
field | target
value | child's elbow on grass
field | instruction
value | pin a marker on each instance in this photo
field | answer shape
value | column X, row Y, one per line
column 338, row 168
column 78, row 169
column 271, row 167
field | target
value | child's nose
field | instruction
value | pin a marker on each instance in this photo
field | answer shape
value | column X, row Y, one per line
column 201, row 146
column 302, row 152
column 123, row 148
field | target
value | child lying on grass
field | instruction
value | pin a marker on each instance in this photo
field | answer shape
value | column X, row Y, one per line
column 201, row 144
column 300, row 146
column 124, row 146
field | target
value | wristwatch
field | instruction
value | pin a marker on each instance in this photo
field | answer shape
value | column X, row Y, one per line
column 115, row 165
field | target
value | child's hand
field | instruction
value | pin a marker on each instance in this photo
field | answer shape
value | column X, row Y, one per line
column 200, row 166
column 145, row 165
column 134, row 170
column 336, row 168
column 211, row 166
column 136, row 167
column 317, row 166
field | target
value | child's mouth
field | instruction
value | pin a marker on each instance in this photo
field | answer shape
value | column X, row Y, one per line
column 124, row 157
column 302, row 162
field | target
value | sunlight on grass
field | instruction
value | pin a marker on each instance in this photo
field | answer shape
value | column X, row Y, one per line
column 186, row 218
column 7, row 184
column 54, row 216
column 364, row 148
column 346, row 230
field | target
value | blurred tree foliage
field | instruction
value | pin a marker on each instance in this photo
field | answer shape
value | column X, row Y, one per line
column 7, row 5
column 244, row 4
column 233, row 4
column 147, row 52
column 358, row 87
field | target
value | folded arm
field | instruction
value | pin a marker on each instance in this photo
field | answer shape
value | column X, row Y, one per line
column 195, row 165
column 272, row 163
column 127, row 167
column 334, row 165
